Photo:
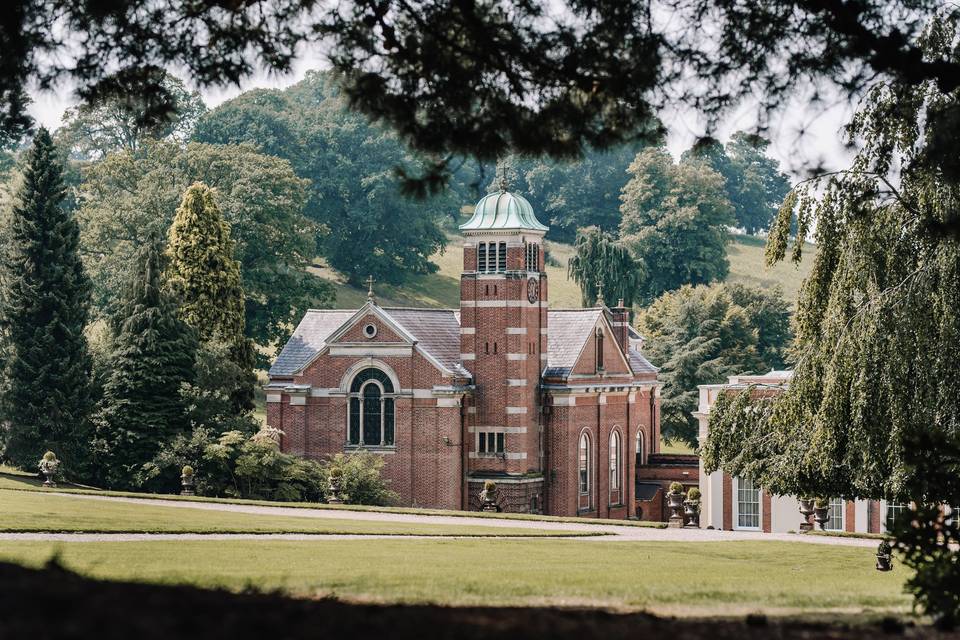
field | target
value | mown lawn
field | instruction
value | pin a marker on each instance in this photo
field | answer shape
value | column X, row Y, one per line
column 692, row 579
column 11, row 478
column 32, row 511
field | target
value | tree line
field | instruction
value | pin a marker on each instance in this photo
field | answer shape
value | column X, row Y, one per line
column 172, row 383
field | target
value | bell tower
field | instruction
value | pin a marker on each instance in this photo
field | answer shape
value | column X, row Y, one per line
column 503, row 341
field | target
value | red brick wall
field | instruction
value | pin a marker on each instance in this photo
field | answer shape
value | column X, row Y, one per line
column 765, row 512
column 727, row 502
column 850, row 516
column 384, row 333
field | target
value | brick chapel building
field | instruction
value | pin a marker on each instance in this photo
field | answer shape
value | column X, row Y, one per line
column 557, row 406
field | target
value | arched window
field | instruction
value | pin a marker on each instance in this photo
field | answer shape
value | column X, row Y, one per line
column 615, row 461
column 599, row 349
column 640, row 460
column 584, row 464
column 371, row 414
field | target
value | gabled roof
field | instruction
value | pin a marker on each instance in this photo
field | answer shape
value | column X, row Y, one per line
column 309, row 339
column 569, row 331
column 436, row 331
column 639, row 364
column 437, row 335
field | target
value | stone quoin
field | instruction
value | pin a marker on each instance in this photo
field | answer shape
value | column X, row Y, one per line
column 557, row 406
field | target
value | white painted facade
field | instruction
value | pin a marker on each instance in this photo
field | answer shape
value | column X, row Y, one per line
column 784, row 514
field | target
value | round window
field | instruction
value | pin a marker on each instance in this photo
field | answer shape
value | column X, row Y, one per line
column 370, row 330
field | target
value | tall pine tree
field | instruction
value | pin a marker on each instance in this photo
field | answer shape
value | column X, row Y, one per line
column 205, row 279
column 142, row 405
column 46, row 400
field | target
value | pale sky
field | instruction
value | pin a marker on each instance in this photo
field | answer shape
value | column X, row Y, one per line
column 801, row 137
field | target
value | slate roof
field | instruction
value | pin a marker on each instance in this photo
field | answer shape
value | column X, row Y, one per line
column 569, row 331
column 639, row 364
column 308, row 339
column 437, row 332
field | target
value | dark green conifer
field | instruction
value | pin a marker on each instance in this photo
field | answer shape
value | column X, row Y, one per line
column 46, row 398
column 142, row 405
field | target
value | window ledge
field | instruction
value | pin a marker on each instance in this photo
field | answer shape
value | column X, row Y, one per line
column 502, row 455
column 353, row 448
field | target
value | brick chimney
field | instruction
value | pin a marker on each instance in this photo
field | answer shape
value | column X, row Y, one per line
column 620, row 319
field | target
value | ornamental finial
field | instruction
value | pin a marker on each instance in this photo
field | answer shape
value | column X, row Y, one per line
column 600, row 302
column 503, row 166
column 370, row 296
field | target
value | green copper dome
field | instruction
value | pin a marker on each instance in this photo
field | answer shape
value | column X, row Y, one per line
column 502, row 210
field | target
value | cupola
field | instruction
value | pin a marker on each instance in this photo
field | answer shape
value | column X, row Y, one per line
column 503, row 211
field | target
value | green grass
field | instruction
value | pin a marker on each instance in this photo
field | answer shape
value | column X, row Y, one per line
column 696, row 579
column 442, row 289
column 747, row 266
column 31, row 511
column 676, row 446
column 15, row 479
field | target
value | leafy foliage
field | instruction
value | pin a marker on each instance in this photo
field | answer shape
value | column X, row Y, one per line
column 119, row 123
column 130, row 196
column 255, row 468
column 753, row 181
column 205, row 280
column 701, row 335
column 675, row 219
column 361, row 478
column 153, row 357
column 572, row 194
column 46, row 392
column 366, row 226
column 873, row 409
column 599, row 259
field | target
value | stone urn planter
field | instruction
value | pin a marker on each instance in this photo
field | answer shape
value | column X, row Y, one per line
column 186, row 481
column 806, row 510
column 884, row 557
column 488, row 497
column 48, row 467
column 821, row 512
column 334, row 497
column 691, row 509
column 675, row 504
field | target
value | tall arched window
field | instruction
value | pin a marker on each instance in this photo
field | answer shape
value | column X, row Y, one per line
column 615, row 461
column 640, row 460
column 371, row 410
column 599, row 349
column 584, row 464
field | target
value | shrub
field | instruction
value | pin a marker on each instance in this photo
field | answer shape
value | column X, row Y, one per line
column 49, row 456
column 162, row 474
column 361, row 479
column 257, row 469
column 694, row 494
column 489, row 486
column 821, row 503
column 187, row 470
column 676, row 487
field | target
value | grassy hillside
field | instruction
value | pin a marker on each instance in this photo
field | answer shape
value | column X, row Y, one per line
column 442, row 289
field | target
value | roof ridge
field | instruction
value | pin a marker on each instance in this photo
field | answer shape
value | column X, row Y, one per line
column 328, row 310
column 452, row 309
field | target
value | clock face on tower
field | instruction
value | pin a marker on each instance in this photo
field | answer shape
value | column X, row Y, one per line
column 533, row 289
